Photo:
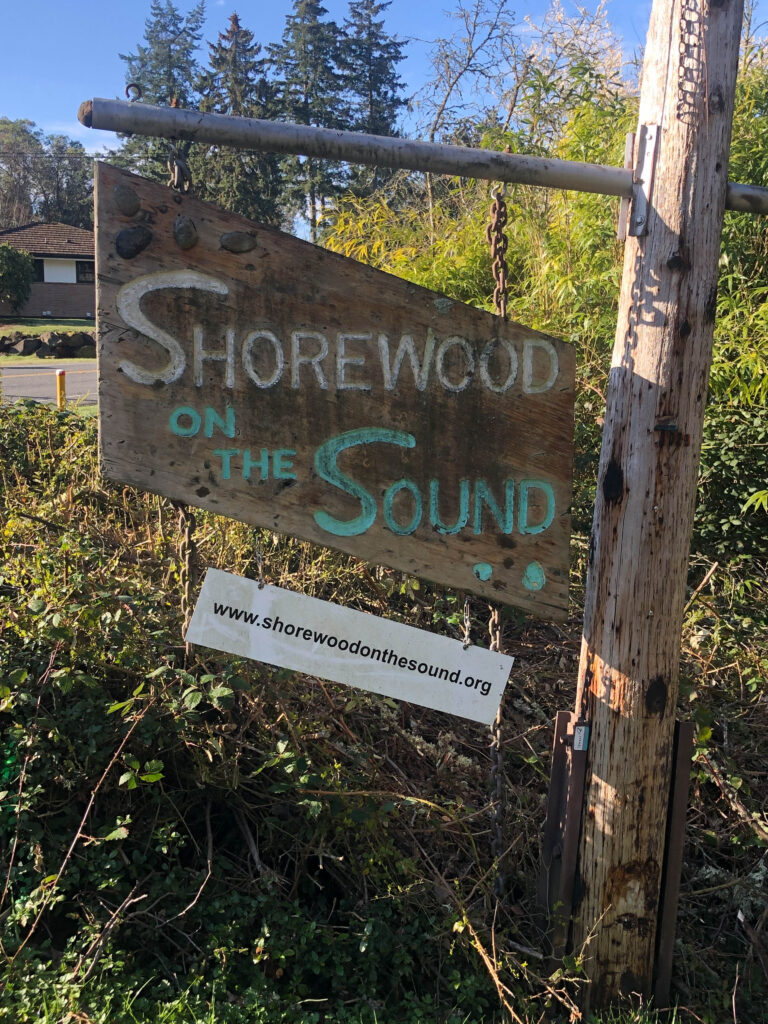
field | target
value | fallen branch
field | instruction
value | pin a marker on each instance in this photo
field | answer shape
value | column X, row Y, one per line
column 97, row 946
column 209, row 864
column 756, row 821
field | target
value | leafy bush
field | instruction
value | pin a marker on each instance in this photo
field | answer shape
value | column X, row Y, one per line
column 734, row 461
column 17, row 272
column 219, row 825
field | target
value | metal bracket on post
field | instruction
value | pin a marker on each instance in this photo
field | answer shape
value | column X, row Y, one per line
column 647, row 146
column 561, row 832
column 673, row 859
column 626, row 201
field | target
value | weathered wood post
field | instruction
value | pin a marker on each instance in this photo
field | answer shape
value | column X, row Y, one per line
column 628, row 676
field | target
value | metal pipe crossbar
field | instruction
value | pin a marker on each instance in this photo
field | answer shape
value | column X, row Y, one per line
column 377, row 150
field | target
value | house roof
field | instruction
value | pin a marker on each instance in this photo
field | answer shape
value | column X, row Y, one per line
column 50, row 240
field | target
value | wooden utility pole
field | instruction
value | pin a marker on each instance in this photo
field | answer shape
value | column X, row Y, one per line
column 628, row 676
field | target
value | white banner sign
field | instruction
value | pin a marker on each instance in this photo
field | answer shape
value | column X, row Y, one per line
column 293, row 631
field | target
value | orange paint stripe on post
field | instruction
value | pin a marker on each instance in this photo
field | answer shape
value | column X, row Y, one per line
column 61, row 389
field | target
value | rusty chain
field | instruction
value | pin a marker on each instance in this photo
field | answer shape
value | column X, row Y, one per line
column 181, row 181
column 498, row 795
column 187, row 561
column 467, row 639
column 497, row 240
column 178, row 168
column 259, row 560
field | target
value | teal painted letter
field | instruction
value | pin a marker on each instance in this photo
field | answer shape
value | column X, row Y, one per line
column 194, row 421
column 226, row 426
column 389, row 497
column 434, row 511
column 483, row 493
column 226, row 455
column 522, row 517
column 326, row 468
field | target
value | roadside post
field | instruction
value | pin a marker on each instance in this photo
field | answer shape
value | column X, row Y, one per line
column 61, row 389
column 646, row 491
column 617, row 806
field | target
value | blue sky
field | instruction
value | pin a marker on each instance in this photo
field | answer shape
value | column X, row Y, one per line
column 56, row 53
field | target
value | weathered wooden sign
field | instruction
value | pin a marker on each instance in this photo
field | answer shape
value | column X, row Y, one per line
column 250, row 373
column 239, row 616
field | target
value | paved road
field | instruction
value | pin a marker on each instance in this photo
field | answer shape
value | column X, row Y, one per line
column 39, row 382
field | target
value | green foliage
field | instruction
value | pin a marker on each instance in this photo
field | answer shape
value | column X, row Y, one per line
column 17, row 272
column 368, row 60
column 235, row 84
column 166, row 69
column 205, row 820
column 310, row 90
column 734, row 461
column 164, row 65
column 43, row 177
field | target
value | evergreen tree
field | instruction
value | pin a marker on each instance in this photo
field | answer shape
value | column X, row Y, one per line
column 311, row 92
column 166, row 69
column 369, row 59
column 235, row 83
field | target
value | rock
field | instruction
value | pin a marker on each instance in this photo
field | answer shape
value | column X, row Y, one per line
column 238, row 241
column 44, row 352
column 131, row 241
column 79, row 339
column 185, row 232
column 64, row 352
column 26, row 346
column 85, row 352
column 126, row 200
column 10, row 339
column 53, row 340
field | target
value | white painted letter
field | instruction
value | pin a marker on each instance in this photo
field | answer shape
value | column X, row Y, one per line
column 247, row 358
column 129, row 307
column 554, row 367
column 343, row 360
column 420, row 369
column 485, row 376
column 464, row 345
column 297, row 358
column 200, row 356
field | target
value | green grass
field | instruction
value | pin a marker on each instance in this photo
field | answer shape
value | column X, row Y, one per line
column 13, row 360
column 30, row 325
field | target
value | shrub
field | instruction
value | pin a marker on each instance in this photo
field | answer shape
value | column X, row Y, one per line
column 17, row 272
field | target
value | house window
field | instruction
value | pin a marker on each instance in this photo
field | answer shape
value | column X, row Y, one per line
column 59, row 271
column 39, row 270
column 85, row 274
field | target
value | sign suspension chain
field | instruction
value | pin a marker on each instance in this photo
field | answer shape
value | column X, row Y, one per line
column 187, row 563
column 181, row 181
column 497, row 239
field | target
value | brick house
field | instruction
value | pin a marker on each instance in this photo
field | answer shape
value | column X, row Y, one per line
column 64, row 285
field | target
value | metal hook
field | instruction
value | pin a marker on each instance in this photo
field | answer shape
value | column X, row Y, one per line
column 181, row 177
column 136, row 89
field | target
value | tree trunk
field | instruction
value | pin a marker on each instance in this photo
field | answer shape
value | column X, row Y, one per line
column 628, row 676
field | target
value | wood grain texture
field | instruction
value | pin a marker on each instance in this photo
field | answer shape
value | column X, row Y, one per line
column 463, row 423
column 628, row 676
